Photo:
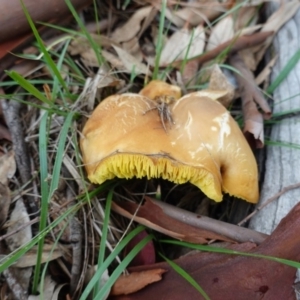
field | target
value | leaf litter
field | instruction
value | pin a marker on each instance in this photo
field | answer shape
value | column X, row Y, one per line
column 198, row 40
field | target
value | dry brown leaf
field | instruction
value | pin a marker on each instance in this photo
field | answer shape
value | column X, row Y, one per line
column 114, row 60
column 218, row 81
column 132, row 27
column 18, row 218
column 253, row 125
column 193, row 16
column 135, row 281
column 29, row 259
column 130, row 63
column 189, row 74
column 221, row 275
column 251, row 95
column 89, row 58
column 285, row 12
column 81, row 44
column 171, row 16
column 248, row 30
column 265, row 73
column 133, row 48
column 182, row 41
column 234, row 45
column 221, row 33
column 153, row 216
column 7, row 166
column 249, row 58
column 197, row 14
column 246, row 17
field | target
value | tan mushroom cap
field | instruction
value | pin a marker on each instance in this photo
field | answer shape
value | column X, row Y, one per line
column 156, row 88
column 205, row 145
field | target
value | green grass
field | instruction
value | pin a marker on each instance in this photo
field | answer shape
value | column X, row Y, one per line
column 50, row 167
column 232, row 252
column 186, row 276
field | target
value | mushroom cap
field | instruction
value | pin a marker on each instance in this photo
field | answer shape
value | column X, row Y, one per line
column 157, row 88
column 124, row 138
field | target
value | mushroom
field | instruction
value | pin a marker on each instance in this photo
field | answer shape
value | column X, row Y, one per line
column 204, row 145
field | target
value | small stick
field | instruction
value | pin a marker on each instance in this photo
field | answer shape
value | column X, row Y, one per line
column 234, row 232
column 11, row 111
column 277, row 195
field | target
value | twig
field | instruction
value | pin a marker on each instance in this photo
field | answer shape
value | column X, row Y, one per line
column 76, row 238
column 234, row 45
column 239, row 234
column 277, row 195
column 11, row 110
column 230, row 231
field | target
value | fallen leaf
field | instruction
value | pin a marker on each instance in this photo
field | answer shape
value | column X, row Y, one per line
column 29, row 259
column 18, row 218
column 154, row 217
column 135, row 281
column 253, row 125
column 7, row 166
column 246, row 17
column 248, row 58
column 183, row 44
column 114, row 60
column 286, row 11
column 222, row 275
column 218, row 81
column 221, row 33
column 264, row 75
column 199, row 13
column 133, row 48
column 131, row 28
column 81, row 44
column 170, row 15
column 234, row 45
column 131, row 64
column 251, row 95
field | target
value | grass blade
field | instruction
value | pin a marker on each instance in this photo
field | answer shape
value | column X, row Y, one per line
column 60, row 154
column 122, row 266
column 96, row 48
column 43, row 142
column 48, row 59
column 284, row 72
column 186, row 276
column 232, row 252
column 109, row 260
column 29, row 87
